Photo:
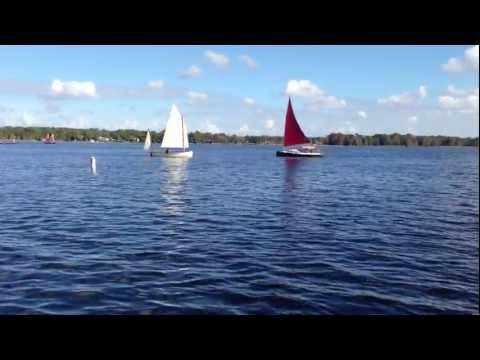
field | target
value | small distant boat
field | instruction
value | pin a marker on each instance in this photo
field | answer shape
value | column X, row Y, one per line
column 175, row 138
column 49, row 139
column 295, row 143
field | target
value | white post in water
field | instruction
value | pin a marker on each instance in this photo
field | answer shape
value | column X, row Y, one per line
column 93, row 165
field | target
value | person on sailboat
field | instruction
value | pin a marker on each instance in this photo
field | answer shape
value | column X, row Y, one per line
column 166, row 151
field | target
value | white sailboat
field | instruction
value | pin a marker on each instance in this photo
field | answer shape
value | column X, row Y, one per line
column 175, row 138
column 148, row 141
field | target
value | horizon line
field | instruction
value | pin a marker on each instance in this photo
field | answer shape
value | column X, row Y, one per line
column 232, row 134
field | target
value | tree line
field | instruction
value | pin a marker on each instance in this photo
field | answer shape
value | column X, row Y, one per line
column 129, row 135
column 398, row 139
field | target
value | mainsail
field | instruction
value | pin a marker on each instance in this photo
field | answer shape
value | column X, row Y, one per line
column 176, row 134
column 293, row 133
column 148, row 141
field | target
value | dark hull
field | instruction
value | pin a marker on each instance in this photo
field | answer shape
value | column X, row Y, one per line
column 289, row 154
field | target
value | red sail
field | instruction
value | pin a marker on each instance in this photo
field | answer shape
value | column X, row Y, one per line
column 293, row 133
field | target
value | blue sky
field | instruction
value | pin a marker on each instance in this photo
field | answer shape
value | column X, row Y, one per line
column 244, row 89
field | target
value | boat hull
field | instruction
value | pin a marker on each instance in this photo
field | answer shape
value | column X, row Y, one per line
column 298, row 154
column 183, row 154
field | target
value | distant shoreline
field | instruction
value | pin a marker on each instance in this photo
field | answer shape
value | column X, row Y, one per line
column 235, row 144
column 35, row 134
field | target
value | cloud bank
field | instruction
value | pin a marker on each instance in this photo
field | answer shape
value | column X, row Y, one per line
column 217, row 58
column 469, row 62
column 316, row 96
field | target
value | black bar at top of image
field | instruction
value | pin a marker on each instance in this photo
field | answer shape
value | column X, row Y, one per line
column 243, row 24
column 233, row 38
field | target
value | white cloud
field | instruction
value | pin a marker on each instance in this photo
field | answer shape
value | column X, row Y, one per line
column 6, row 109
column 244, row 129
column 192, row 71
column 197, row 96
column 453, row 65
column 461, row 100
column 328, row 102
column 28, row 119
column 269, row 124
column 468, row 62
column 319, row 100
column 155, row 84
column 217, row 58
column 362, row 114
column 78, row 122
column 452, row 90
column 14, row 118
column 130, row 124
column 73, row 88
column 395, row 100
column 471, row 57
column 247, row 60
column 249, row 101
column 422, row 91
column 404, row 99
column 211, row 127
column 303, row 88
column 39, row 118
column 60, row 90
column 348, row 128
column 412, row 119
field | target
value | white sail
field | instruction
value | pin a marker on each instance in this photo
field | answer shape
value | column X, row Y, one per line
column 148, row 142
column 185, row 134
column 176, row 135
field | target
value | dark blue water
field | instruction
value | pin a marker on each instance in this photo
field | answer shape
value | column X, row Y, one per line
column 236, row 230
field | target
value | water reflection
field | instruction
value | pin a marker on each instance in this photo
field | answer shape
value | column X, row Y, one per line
column 292, row 194
column 172, row 188
column 291, row 166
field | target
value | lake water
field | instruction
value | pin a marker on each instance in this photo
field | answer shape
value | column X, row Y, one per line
column 236, row 230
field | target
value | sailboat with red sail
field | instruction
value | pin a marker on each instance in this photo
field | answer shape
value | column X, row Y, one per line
column 295, row 143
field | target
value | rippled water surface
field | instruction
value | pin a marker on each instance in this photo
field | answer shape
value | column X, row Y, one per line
column 236, row 230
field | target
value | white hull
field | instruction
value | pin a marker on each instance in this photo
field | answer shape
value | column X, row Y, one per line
column 298, row 153
column 171, row 154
